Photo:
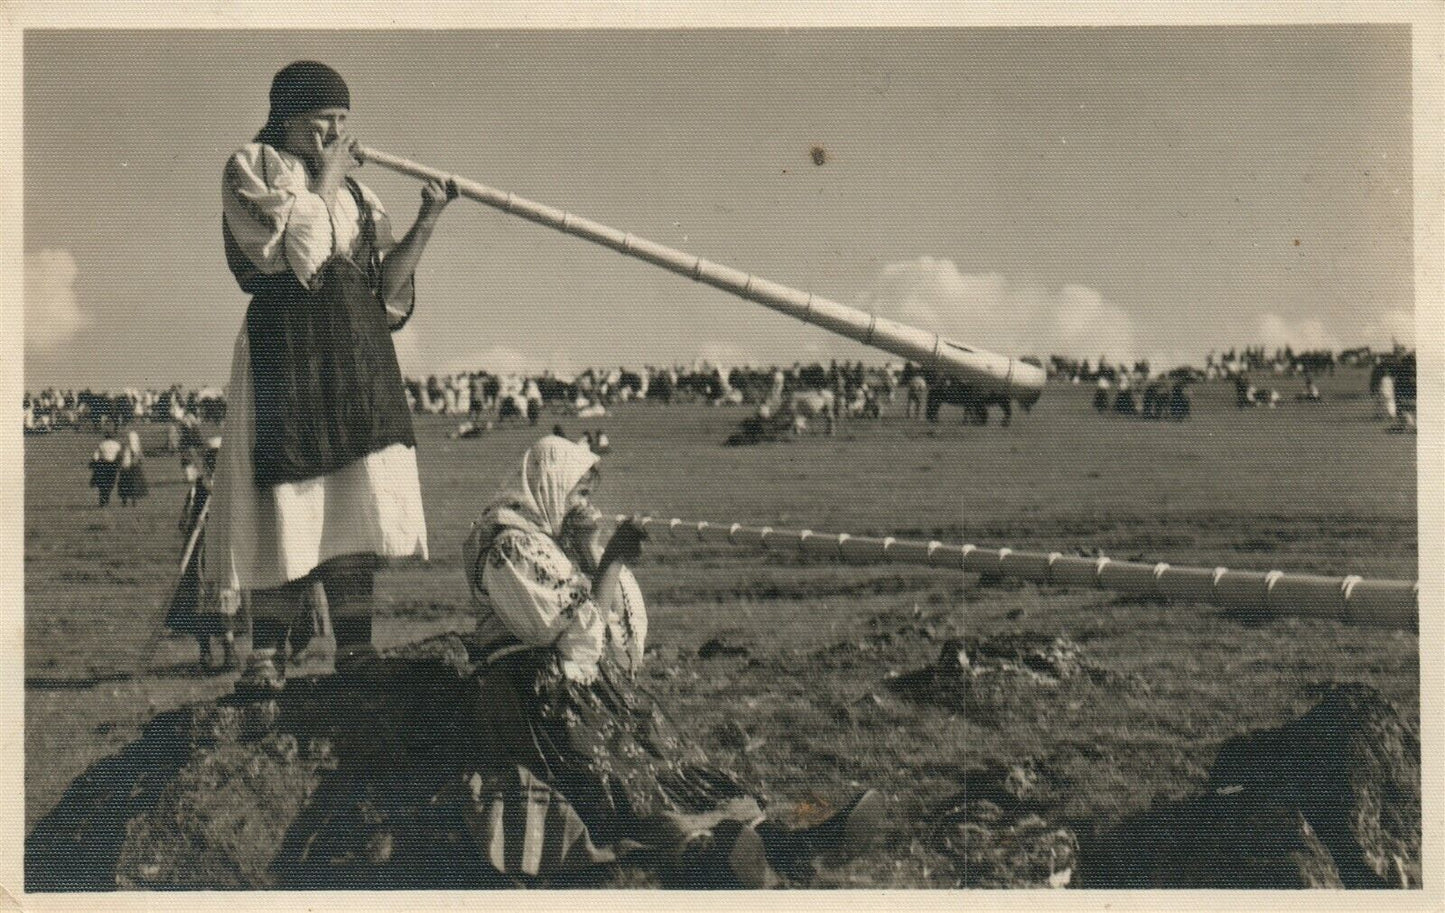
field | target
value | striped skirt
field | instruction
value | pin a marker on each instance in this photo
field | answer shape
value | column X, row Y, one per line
column 574, row 775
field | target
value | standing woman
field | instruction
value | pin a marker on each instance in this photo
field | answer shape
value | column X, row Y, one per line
column 317, row 482
column 104, row 465
column 131, row 481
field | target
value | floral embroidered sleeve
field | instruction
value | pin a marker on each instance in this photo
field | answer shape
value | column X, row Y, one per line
column 542, row 599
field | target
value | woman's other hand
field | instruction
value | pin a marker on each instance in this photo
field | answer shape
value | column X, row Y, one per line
column 625, row 545
column 435, row 195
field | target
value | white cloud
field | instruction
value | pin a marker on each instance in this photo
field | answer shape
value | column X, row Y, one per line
column 1390, row 327
column 52, row 315
column 502, row 360
column 724, row 355
column 1306, row 335
column 991, row 312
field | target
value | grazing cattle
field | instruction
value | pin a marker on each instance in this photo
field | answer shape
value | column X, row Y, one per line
column 974, row 402
column 798, row 408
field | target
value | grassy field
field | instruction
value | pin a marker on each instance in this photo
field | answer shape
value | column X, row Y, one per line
column 1313, row 488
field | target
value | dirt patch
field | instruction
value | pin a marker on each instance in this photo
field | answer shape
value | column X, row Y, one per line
column 988, row 677
column 75, row 847
column 1329, row 799
column 996, row 833
column 333, row 784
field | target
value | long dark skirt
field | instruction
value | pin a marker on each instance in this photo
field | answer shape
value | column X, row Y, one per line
column 189, row 612
column 606, row 747
column 131, row 482
column 102, row 477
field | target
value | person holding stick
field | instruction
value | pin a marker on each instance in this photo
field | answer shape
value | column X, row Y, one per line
column 202, row 611
column 574, row 759
column 317, row 483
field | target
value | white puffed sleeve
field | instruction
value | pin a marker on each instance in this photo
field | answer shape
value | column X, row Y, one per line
column 400, row 305
column 541, row 598
column 277, row 222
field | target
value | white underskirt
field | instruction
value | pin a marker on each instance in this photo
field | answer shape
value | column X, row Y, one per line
column 260, row 538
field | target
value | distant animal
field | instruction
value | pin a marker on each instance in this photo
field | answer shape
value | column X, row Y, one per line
column 513, row 406
column 808, row 405
column 974, row 402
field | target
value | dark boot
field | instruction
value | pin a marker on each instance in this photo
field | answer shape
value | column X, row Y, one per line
column 730, row 856
column 266, row 665
column 349, row 585
column 354, row 652
column 849, row 833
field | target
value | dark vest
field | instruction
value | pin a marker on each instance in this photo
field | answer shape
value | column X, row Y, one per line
column 327, row 387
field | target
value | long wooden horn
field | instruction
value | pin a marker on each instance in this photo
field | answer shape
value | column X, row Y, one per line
column 1387, row 603
column 990, row 372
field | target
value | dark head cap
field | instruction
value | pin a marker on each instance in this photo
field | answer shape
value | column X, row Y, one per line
column 306, row 86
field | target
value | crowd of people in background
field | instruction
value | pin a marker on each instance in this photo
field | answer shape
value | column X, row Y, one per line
column 54, row 409
column 802, row 395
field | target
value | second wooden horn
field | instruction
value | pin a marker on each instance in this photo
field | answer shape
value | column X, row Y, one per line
column 986, row 370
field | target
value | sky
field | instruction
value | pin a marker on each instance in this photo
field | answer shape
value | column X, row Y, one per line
column 1137, row 192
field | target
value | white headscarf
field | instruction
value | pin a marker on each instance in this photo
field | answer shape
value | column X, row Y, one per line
column 535, row 498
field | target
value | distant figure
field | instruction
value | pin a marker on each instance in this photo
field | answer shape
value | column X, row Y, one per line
column 917, row 396
column 511, row 406
column 202, row 611
column 1243, row 392
column 1312, row 391
column 1101, row 395
column 1154, row 399
column 1179, row 405
column 104, row 466
column 1387, row 407
column 1124, row 402
column 131, row 480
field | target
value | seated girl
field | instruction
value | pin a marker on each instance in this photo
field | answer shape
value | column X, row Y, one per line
column 578, row 765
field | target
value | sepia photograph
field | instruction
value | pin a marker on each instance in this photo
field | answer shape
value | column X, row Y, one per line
column 626, row 450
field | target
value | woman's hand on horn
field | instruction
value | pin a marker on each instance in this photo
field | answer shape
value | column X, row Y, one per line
column 625, row 546
column 435, row 195
column 338, row 158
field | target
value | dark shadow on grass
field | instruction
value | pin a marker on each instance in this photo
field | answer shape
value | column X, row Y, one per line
column 75, row 847
column 83, row 683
